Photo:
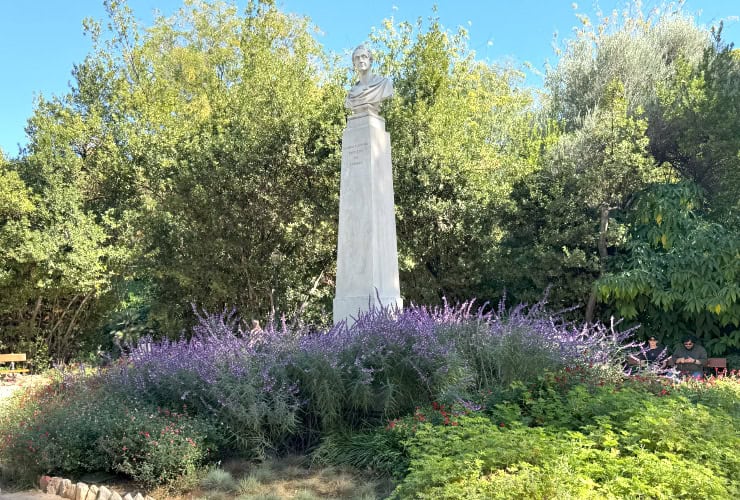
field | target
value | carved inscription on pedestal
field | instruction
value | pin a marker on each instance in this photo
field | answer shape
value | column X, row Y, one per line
column 357, row 154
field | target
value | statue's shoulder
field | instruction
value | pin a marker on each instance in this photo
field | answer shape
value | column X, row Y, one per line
column 378, row 80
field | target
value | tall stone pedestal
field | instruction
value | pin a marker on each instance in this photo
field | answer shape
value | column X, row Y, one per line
column 367, row 256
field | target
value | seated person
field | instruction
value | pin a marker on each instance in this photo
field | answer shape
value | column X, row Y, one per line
column 690, row 358
column 650, row 353
column 653, row 351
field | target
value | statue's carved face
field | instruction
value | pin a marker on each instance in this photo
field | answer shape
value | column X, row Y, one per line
column 361, row 60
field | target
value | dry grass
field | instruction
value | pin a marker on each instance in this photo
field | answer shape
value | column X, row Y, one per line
column 289, row 478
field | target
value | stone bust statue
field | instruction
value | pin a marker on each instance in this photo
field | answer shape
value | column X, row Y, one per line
column 370, row 89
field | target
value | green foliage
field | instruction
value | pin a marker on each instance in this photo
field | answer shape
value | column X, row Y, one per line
column 378, row 450
column 639, row 50
column 681, row 272
column 462, row 132
column 588, row 174
column 238, row 191
column 72, row 430
column 698, row 127
column 713, row 392
column 59, row 247
column 569, row 436
column 15, row 198
column 636, row 445
column 196, row 158
column 683, row 83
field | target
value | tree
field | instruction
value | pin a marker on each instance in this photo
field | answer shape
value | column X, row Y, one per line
column 681, row 272
column 230, row 130
column 640, row 51
column 55, row 260
column 462, row 133
column 562, row 226
column 697, row 129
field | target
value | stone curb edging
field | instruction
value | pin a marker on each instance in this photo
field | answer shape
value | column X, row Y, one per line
column 80, row 491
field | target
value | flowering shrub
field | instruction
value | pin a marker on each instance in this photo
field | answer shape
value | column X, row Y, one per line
column 283, row 388
column 222, row 374
column 156, row 448
column 279, row 382
column 77, row 426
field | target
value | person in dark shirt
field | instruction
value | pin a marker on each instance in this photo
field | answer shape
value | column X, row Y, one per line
column 690, row 358
column 653, row 350
column 651, row 353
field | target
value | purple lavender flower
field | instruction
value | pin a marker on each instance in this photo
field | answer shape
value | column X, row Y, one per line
column 284, row 380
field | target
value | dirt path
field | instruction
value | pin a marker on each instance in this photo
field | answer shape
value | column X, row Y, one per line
column 7, row 390
column 28, row 495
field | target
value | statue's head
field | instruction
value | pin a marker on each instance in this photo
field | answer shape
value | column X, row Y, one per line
column 362, row 58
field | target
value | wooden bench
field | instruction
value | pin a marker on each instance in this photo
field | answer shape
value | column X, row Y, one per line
column 718, row 364
column 12, row 359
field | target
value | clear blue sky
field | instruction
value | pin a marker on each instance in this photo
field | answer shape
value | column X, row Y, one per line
column 40, row 40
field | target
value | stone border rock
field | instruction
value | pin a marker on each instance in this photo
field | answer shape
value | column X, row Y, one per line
column 80, row 491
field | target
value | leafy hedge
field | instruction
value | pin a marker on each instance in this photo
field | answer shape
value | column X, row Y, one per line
column 642, row 439
column 75, row 426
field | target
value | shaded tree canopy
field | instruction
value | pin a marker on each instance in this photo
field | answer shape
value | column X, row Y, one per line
column 196, row 161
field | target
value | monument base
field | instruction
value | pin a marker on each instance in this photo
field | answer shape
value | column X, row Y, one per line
column 349, row 308
column 367, row 258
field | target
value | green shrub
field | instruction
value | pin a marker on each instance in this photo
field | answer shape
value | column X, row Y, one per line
column 460, row 461
column 157, row 447
column 640, row 446
column 379, row 450
column 714, row 392
column 72, row 429
column 218, row 479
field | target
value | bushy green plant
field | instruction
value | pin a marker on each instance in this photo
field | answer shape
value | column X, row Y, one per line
column 621, row 442
column 448, row 461
column 71, row 429
column 715, row 392
column 219, row 479
column 35, row 430
column 379, row 450
column 569, row 399
column 482, row 459
column 382, row 449
column 156, row 447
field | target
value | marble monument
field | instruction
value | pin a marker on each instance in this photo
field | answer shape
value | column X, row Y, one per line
column 367, row 256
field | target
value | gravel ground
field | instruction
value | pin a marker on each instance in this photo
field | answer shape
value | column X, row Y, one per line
column 28, row 495
column 7, row 390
